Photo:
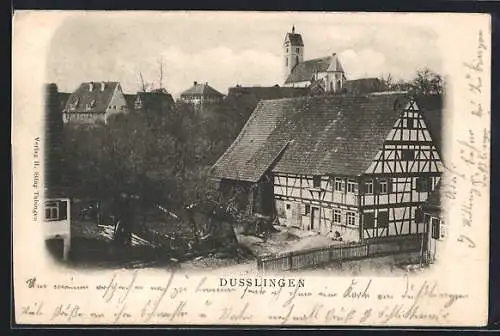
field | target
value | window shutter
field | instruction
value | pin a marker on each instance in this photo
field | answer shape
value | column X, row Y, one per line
column 418, row 184
column 63, row 210
column 383, row 219
column 302, row 209
column 368, row 220
column 419, row 215
column 435, row 229
column 376, row 186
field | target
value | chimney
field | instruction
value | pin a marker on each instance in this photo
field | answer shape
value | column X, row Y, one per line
column 195, row 82
column 91, row 86
column 103, row 86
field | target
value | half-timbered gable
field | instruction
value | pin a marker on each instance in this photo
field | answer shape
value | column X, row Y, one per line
column 338, row 162
column 403, row 173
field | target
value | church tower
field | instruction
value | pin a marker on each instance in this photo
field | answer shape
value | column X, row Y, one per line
column 293, row 48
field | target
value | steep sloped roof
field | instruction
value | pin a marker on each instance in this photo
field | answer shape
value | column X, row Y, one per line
column 201, row 89
column 295, row 39
column 155, row 101
column 431, row 108
column 305, row 70
column 362, row 86
column 63, row 99
column 310, row 135
column 90, row 97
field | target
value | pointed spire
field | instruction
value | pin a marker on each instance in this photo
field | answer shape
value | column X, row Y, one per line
column 293, row 29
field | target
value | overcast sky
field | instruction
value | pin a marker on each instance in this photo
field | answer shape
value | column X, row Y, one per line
column 225, row 49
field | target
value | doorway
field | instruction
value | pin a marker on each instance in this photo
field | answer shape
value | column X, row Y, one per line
column 315, row 217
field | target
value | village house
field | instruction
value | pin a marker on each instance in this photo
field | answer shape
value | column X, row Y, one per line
column 152, row 102
column 202, row 95
column 325, row 71
column 354, row 166
column 94, row 101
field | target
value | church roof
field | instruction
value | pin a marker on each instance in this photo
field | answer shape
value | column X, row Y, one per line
column 201, row 89
column 311, row 135
column 304, row 71
column 295, row 39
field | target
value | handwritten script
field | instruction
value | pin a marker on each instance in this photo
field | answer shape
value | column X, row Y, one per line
column 174, row 298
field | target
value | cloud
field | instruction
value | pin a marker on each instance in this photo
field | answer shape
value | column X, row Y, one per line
column 364, row 63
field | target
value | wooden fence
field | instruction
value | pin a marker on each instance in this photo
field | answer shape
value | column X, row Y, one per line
column 339, row 252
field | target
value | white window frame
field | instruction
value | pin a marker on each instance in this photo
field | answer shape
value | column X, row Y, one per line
column 350, row 216
column 383, row 186
column 352, row 186
column 369, row 183
column 337, row 214
column 340, row 182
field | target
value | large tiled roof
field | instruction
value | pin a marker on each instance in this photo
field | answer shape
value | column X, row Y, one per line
column 295, row 39
column 95, row 100
column 311, row 135
column 201, row 89
column 305, row 70
column 362, row 86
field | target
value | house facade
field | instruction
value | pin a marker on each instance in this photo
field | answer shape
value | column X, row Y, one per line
column 93, row 102
column 201, row 94
column 357, row 167
column 299, row 73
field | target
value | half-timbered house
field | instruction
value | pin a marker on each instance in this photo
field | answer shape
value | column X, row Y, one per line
column 355, row 166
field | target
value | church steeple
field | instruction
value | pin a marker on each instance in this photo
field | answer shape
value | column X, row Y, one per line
column 293, row 48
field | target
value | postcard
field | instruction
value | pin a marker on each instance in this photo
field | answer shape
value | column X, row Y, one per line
column 251, row 168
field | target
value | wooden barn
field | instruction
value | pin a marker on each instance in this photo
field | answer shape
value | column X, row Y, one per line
column 358, row 166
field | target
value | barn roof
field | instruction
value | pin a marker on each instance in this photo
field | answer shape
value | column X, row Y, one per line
column 295, row 39
column 91, row 97
column 201, row 89
column 305, row 70
column 362, row 86
column 311, row 135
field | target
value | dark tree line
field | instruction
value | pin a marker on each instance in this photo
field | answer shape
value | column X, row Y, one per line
column 426, row 82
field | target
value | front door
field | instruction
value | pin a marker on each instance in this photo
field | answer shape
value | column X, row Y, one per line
column 315, row 219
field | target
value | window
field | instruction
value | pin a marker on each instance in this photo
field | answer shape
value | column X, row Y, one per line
column 369, row 220
column 369, row 187
column 407, row 154
column 435, row 228
column 286, row 49
column 316, row 181
column 338, row 184
column 352, row 186
column 296, row 59
column 307, row 209
column 288, row 206
column 424, row 184
column 337, row 216
column 56, row 211
column 383, row 186
column 297, row 50
column 383, row 219
column 351, row 218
